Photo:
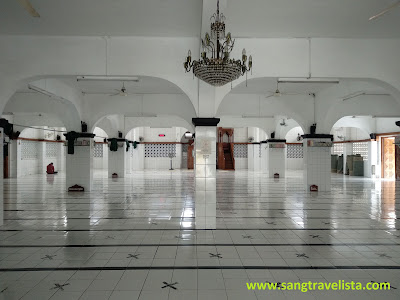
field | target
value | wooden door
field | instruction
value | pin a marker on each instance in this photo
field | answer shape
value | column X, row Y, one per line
column 190, row 158
column 397, row 162
column 388, row 158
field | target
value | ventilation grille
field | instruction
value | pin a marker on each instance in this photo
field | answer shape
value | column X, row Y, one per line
column 29, row 150
column 159, row 150
column 338, row 149
column 294, row 151
column 361, row 148
column 52, row 150
column 98, row 150
column 240, row 151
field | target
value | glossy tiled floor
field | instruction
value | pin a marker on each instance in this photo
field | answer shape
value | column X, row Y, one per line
column 135, row 238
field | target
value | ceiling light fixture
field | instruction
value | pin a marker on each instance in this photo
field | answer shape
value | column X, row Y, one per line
column 394, row 117
column 219, row 69
column 257, row 117
column 141, row 116
column 107, row 78
column 45, row 92
column 385, row 11
column 301, row 80
column 358, row 94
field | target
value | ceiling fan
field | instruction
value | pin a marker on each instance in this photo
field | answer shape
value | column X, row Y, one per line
column 278, row 93
column 29, row 8
column 121, row 92
column 386, row 10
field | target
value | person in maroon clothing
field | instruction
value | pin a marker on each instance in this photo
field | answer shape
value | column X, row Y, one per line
column 50, row 169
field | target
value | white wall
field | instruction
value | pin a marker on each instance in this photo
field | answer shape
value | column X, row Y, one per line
column 32, row 157
column 171, row 134
column 136, row 159
column 241, row 135
column 164, row 163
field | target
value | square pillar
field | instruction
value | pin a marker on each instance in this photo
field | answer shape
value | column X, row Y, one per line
column 347, row 150
column 116, row 162
column 128, row 159
column 138, row 158
column 42, row 158
column 79, row 166
column 61, row 156
column 205, row 171
column 317, row 161
column 1, row 179
column 253, row 157
column 250, row 157
column 12, row 158
column 276, row 157
column 264, row 156
column 257, row 156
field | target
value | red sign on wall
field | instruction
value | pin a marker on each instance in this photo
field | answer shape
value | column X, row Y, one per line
column 161, row 135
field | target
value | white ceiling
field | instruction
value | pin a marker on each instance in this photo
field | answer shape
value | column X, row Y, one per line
column 103, row 17
column 311, row 18
column 250, row 18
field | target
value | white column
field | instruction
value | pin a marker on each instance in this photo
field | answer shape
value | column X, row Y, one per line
column 128, row 160
column 317, row 163
column 250, row 157
column 12, row 157
column 347, row 150
column 138, row 158
column 257, row 159
column 276, row 158
column 19, row 159
column 265, row 157
column 105, row 157
column 79, row 166
column 60, row 157
column 205, row 170
column 1, row 179
column 373, row 157
column 116, row 161
column 177, row 161
column 42, row 158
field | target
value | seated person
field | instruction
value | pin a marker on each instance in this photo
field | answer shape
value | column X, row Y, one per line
column 50, row 169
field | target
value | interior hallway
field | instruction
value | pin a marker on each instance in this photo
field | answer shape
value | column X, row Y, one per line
column 128, row 236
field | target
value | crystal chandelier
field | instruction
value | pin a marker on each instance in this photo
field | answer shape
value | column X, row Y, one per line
column 218, row 69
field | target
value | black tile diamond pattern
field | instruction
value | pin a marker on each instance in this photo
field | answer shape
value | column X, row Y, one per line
column 294, row 151
column 159, row 150
column 29, row 150
column 52, row 150
column 240, row 151
column 98, row 150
